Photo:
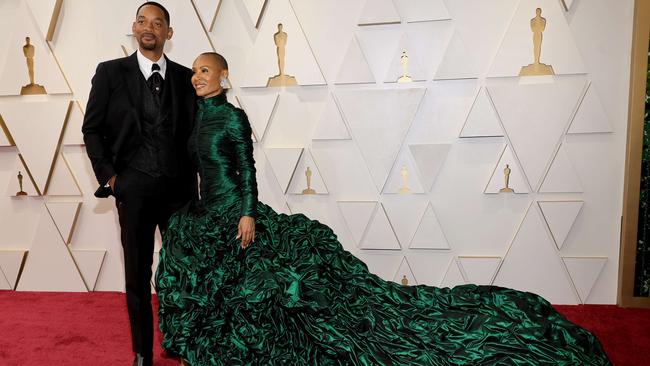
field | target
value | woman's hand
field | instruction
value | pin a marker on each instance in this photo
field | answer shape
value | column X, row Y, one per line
column 246, row 231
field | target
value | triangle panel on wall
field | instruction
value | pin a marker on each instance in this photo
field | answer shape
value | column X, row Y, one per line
column 11, row 265
column 584, row 273
column 422, row 10
column 72, row 134
column 429, row 159
column 429, row 234
column 14, row 182
column 560, row 216
column 331, row 125
column 515, row 179
column 591, row 116
column 90, row 264
column 357, row 215
column 404, row 274
column 36, row 128
column 299, row 184
column 380, row 233
column 457, row 62
column 284, row 162
column 49, row 265
column 259, row 108
column 561, row 177
column 354, row 68
column 482, row 120
column 532, row 263
column 65, row 215
column 403, row 178
column 379, row 12
column 454, row 276
column 62, row 182
column 299, row 58
column 479, row 270
column 379, row 121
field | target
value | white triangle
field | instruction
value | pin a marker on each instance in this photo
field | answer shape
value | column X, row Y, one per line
column 11, row 261
column 4, row 137
column 259, row 108
column 45, row 13
column 65, row 216
column 400, row 210
column 415, row 58
column 558, row 46
column 14, row 184
column 299, row 181
column 482, row 120
column 354, row 68
column 567, row 4
column 14, row 74
column 429, row 234
column 49, row 265
column 403, row 178
column 299, row 59
column 207, row 10
column 429, row 267
column 535, row 117
column 254, row 10
column 283, row 162
column 381, row 263
column 584, row 273
column 379, row 121
column 357, row 215
column 380, row 234
column 458, row 61
column 405, row 274
column 479, row 270
column 516, row 181
column 72, row 134
column 560, row 216
column 429, row 159
column 379, row 12
column 591, row 117
column 422, row 10
column 454, row 276
column 427, row 42
column 63, row 182
column 532, row 263
column 90, row 264
column 561, row 176
column 36, row 127
column 331, row 125
column 4, row 283
column 379, row 44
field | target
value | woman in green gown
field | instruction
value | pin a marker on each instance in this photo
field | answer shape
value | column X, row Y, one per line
column 240, row 284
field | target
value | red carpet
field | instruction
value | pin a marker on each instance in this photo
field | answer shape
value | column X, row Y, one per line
column 43, row 329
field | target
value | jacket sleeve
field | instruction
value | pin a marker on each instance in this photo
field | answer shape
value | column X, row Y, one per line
column 94, row 125
column 239, row 130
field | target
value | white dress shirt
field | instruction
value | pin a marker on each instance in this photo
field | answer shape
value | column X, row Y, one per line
column 145, row 65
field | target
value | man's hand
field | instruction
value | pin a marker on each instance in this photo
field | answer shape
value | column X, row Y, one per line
column 246, row 231
column 111, row 183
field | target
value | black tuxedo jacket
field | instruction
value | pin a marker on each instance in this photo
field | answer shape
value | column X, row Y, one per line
column 112, row 126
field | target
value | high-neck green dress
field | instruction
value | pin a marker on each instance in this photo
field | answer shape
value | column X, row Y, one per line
column 296, row 297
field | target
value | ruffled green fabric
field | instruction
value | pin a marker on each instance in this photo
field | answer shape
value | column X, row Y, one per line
column 296, row 297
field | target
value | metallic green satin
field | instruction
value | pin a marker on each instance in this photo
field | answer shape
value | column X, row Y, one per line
column 296, row 297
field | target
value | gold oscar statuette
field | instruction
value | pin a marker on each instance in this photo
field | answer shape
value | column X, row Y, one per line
column 405, row 281
column 405, row 181
column 20, row 183
column 281, row 79
column 537, row 25
column 506, row 173
column 404, row 61
column 32, row 87
column 308, row 190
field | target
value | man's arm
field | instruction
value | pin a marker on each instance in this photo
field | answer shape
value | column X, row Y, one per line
column 94, row 126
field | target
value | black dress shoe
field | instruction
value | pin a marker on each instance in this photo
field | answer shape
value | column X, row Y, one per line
column 139, row 360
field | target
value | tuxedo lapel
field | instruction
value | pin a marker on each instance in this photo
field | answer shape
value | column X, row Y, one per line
column 133, row 77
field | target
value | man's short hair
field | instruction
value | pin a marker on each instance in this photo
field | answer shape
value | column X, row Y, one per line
column 159, row 6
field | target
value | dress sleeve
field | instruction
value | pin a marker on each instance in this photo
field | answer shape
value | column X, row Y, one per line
column 240, row 135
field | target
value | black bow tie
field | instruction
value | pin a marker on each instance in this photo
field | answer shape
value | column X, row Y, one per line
column 155, row 81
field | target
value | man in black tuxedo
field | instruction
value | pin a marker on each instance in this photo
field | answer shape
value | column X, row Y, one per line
column 138, row 119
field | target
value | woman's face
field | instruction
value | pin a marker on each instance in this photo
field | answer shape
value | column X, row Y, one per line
column 207, row 75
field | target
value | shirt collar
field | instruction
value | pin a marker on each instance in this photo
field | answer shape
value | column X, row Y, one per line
column 145, row 65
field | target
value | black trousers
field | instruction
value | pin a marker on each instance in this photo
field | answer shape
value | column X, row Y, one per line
column 143, row 203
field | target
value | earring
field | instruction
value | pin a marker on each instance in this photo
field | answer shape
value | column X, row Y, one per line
column 224, row 83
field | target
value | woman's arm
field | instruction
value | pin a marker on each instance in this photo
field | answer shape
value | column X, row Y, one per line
column 240, row 135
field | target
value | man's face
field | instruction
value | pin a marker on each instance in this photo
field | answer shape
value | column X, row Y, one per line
column 151, row 29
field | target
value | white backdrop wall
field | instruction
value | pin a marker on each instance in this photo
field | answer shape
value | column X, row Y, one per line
column 452, row 131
